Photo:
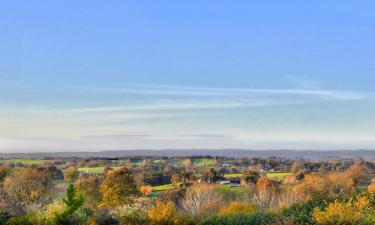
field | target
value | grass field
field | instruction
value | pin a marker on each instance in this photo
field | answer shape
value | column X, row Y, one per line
column 204, row 162
column 93, row 169
column 163, row 187
column 277, row 176
column 26, row 161
column 233, row 175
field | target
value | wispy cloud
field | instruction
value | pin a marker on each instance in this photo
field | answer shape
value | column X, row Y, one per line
column 159, row 97
column 168, row 90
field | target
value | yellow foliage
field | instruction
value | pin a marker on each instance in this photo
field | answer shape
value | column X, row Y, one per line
column 118, row 188
column 163, row 214
column 236, row 207
column 357, row 211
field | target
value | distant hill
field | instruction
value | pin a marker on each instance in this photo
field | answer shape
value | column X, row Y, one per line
column 237, row 153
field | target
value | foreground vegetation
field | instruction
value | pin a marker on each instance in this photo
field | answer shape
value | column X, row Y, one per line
column 186, row 191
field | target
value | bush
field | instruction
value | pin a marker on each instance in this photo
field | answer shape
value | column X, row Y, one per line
column 301, row 213
column 163, row 214
column 256, row 218
column 130, row 216
column 3, row 217
column 21, row 220
column 102, row 216
column 354, row 211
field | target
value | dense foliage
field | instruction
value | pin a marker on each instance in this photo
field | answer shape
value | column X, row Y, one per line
column 188, row 191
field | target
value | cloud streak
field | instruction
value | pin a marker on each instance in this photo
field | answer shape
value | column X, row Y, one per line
column 167, row 90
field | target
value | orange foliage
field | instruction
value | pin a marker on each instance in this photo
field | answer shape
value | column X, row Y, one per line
column 236, row 207
column 371, row 187
column 146, row 190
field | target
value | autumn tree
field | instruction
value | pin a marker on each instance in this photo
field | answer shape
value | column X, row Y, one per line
column 118, row 188
column 371, row 187
column 27, row 186
column 296, row 167
column 89, row 188
column 176, row 179
column 355, row 172
column 201, row 199
column 71, row 174
column 188, row 162
column 163, row 214
column 3, row 172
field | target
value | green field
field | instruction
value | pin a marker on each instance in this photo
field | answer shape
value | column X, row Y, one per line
column 26, row 161
column 163, row 187
column 93, row 169
column 277, row 176
column 233, row 175
column 204, row 162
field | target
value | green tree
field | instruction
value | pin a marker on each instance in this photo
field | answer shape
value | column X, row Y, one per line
column 72, row 204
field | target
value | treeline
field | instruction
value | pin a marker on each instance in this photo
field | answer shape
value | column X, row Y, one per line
column 328, row 194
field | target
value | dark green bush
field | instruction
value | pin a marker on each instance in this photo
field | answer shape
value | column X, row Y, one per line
column 257, row 218
column 3, row 217
column 301, row 213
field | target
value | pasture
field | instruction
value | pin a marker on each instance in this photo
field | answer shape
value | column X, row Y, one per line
column 277, row 176
column 26, row 161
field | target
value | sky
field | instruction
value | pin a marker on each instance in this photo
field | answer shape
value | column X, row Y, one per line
column 109, row 75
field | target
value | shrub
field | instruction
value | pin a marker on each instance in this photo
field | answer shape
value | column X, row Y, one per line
column 301, row 213
column 3, row 217
column 353, row 211
column 126, row 215
column 48, row 215
column 256, row 218
column 102, row 216
column 235, row 208
column 163, row 214
column 20, row 220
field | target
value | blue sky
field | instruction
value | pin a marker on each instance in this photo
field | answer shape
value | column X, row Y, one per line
column 99, row 75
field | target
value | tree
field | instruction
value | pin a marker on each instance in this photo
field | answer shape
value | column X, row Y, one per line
column 3, row 172
column 176, row 179
column 296, row 167
column 371, row 187
column 201, row 199
column 250, row 176
column 27, row 186
column 163, row 214
column 71, row 174
column 89, row 188
column 72, row 204
column 118, row 188
column 213, row 176
column 188, row 162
